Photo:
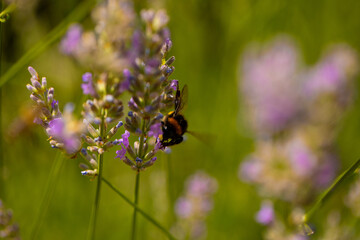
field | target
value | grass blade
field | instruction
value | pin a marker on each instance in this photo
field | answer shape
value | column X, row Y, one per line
column 147, row 216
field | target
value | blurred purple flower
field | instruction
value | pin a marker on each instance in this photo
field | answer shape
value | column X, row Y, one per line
column 201, row 184
column 196, row 203
column 183, row 207
column 70, row 43
column 301, row 157
column 249, row 170
column 332, row 73
column 58, row 130
column 271, row 90
column 266, row 213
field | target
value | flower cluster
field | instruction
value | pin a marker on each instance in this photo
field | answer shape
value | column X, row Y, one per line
column 194, row 206
column 281, row 168
column 294, row 111
column 271, row 90
column 8, row 229
column 152, row 91
column 279, row 98
column 123, row 57
column 102, row 110
column 64, row 131
column 105, row 48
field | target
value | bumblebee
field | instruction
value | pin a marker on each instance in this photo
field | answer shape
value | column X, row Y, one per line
column 174, row 124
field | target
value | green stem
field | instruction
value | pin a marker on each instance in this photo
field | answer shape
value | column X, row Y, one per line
column 328, row 192
column 94, row 215
column 2, row 180
column 171, row 188
column 137, row 183
column 76, row 15
column 49, row 191
column 93, row 219
column 144, row 214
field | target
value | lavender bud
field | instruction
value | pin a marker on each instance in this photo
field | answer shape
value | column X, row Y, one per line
column 94, row 133
column 93, row 148
column 90, row 173
column 34, row 97
column 127, row 161
column 83, row 166
column 51, row 91
column 149, row 163
column 170, row 61
column 131, row 152
column 50, row 98
column 93, row 164
column 166, row 47
column 84, row 152
column 43, row 82
column 33, row 72
column 37, row 85
column 119, row 124
column 31, row 88
column 136, row 147
column 149, row 155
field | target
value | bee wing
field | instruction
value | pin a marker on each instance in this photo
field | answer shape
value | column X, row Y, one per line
column 181, row 99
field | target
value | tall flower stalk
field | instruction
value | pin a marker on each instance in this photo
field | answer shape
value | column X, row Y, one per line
column 135, row 60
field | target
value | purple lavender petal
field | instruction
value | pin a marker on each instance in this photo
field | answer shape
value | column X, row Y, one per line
column 125, row 138
column 174, row 84
column 121, row 153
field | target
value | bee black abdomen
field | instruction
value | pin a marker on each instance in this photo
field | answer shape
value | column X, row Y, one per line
column 173, row 127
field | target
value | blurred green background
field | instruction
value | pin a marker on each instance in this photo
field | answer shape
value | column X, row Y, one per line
column 208, row 40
